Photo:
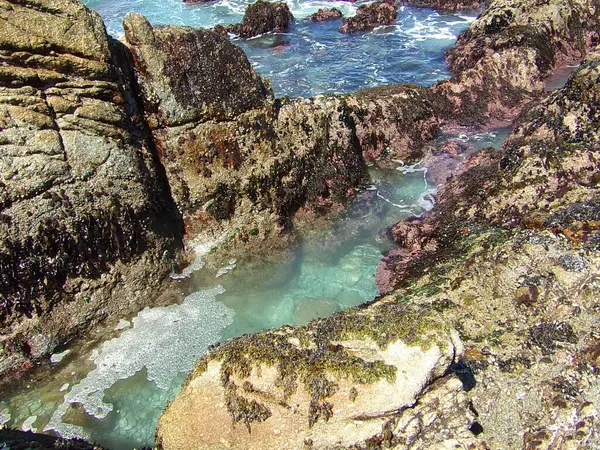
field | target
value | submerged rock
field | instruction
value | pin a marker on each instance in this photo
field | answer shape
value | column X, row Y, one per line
column 20, row 439
column 85, row 215
column 370, row 16
column 263, row 17
column 325, row 14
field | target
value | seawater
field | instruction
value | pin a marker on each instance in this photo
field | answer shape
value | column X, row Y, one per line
column 114, row 392
column 314, row 58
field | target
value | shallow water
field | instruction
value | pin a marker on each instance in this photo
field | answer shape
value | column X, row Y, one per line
column 314, row 58
column 114, row 394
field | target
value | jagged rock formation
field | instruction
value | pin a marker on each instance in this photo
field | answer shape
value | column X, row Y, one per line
column 370, row 16
column 521, row 293
column 325, row 14
column 87, row 226
column 240, row 164
column 499, row 63
column 263, row 17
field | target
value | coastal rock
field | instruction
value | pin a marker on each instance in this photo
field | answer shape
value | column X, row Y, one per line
column 21, row 439
column 394, row 121
column 515, row 244
column 263, row 17
column 445, row 5
column 331, row 383
column 87, row 227
column 370, row 16
column 324, row 14
column 500, row 61
column 241, row 164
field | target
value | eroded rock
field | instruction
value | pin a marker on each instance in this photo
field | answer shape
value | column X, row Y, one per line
column 331, row 383
column 85, row 216
column 263, row 17
column 325, row 14
column 500, row 61
column 370, row 16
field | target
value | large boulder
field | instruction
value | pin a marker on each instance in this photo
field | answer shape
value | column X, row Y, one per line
column 263, row 17
column 87, row 225
column 370, row 16
column 331, row 384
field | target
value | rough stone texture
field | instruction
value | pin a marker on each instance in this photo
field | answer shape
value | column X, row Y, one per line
column 87, row 226
column 240, row 169
column 445, row 5
column 509, row 259
column 395, row 121
column 499, row 62
column 263, row 17
column 333, row 383
column 370, row 16
column 324, row 14
column 14, row 439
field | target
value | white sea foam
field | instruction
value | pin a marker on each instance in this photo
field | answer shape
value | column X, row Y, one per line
column 165, row 340
column 5, row 416
column 28, row 424
column 200, row 251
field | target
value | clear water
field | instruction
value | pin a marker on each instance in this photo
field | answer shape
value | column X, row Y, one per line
column 114, row 392
column 314, row 58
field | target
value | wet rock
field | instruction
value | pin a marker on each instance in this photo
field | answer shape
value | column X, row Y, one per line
column 242, row 165
column 21, row 439
column 339, row 378
column 500, row 61
column 370, row 16
column 85, row 211
column 445, row 5
column 263, row 17
column 325, row 14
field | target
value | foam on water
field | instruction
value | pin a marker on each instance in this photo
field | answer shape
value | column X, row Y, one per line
column 165, row 341
column 314, row 58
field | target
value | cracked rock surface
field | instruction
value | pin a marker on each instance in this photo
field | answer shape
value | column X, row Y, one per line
column 85, row 214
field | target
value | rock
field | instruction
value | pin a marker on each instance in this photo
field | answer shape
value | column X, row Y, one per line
column 85, row 215
column 500, row 61
column 21, row 439
column 339, row 379
column 191, row 74
column 263, row 17
column 242, row 165
column 445, row 5
column 370, row 16
column 324, row 14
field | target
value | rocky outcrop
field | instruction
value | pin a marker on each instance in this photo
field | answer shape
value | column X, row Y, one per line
column 445, row 5
column 87, row 225
column 263, row 17
column 499, row 63
column 509, row 259
column 330, row 384
column 241, row 164
column 325, row 14
column 370, row 16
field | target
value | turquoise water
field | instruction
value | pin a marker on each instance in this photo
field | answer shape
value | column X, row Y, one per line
column 113, row 392
column 314, row 58
column 113, row 389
